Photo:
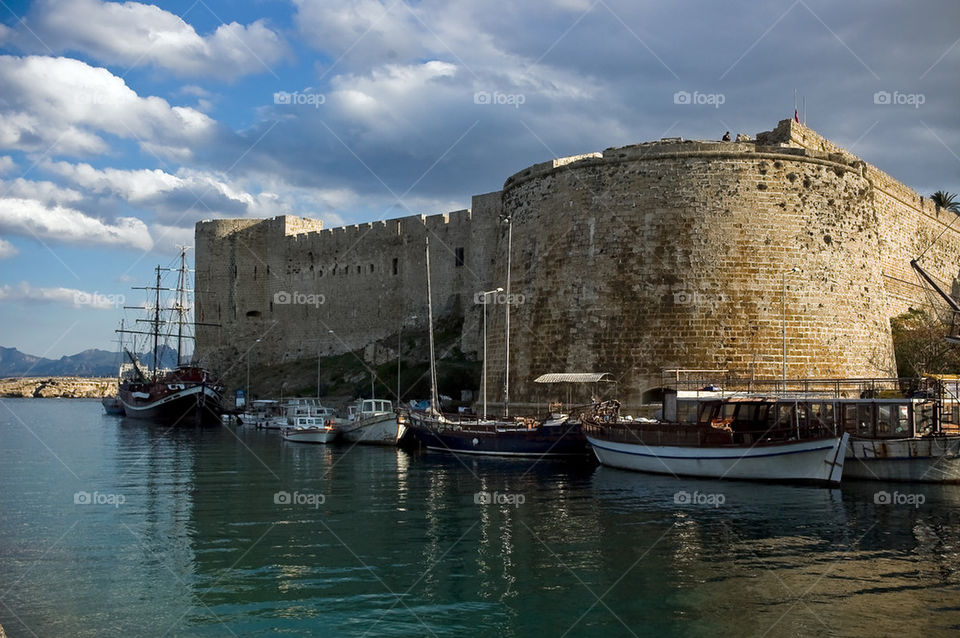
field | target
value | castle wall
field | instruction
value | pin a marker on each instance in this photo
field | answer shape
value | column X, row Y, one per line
column 669, row 254
column 303, row 290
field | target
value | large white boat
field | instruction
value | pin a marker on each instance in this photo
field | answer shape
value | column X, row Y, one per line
column 274, row 415
column 747, row 439
column 899, row 429
column 372, row 421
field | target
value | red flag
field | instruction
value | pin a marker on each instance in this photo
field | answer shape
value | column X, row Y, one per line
column 796, row 116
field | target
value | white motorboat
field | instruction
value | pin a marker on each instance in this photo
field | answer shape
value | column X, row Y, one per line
column 309, row 429
column 372, row 421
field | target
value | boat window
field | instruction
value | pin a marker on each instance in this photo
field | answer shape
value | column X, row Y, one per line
column 687, row 411
column 893, row 420
column 884, row 414
column 924, row 414
column 708, row 412
column 849, row 418
column 803, row 415
column 864, row 419
column 822, row 415
column 727, row 410
column 784, row 416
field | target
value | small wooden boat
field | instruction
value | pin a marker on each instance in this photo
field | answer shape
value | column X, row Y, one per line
column 746, row 439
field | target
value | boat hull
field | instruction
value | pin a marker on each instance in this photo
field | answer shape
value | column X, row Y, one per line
column 920, row 460
column 189, row 406
column 112, row 405
column 560, row 440
column 375, row 430
column 816, row 461
column 310, row 435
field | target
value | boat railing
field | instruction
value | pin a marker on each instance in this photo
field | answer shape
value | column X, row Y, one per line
column 722, row 385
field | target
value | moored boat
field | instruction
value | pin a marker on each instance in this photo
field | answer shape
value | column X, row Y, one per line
column 732, row 439
column 309, row 429
column 556, row 436
column 899, row 429
column 187, row 394
column 372, row 421
column 112, row 405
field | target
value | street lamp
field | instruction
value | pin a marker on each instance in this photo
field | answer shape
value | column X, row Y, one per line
column 485, row 293
column 247, row 399
column 506, row 383
column 399, row 345
column 318, row 365
column 783, row 323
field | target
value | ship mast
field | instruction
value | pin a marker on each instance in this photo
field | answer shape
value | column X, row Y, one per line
column 434, row 403
column 181, row 305
column 156, row 326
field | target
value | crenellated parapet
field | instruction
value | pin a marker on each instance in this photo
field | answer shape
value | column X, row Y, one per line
column 666, row 254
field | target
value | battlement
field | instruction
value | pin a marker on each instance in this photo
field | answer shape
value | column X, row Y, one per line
column 667, row 253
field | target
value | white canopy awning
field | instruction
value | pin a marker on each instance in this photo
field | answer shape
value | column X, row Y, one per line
column 574, row 377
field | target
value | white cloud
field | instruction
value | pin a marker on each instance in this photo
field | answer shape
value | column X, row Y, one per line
column 29, row 217
column 136, row 34
column 7, row 249
column 43, row 191
column 72, row 297
column 169, row 239
column 61, row 105
column 6, row 164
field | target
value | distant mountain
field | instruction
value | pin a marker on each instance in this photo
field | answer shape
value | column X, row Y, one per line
column 89, row 363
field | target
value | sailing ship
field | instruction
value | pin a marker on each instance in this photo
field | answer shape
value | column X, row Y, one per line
column 185, row 395
column 735, row 438
column 553, row 435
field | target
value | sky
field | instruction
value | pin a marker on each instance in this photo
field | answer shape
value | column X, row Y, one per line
column 124, row 124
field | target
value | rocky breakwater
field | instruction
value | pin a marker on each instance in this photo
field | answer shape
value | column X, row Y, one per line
column 63, row 387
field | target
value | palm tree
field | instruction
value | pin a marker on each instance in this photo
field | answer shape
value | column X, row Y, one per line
column 947, row 201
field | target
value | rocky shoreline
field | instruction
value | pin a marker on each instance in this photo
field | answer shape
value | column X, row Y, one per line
column 58, row 387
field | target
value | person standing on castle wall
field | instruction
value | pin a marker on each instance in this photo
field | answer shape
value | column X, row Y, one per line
column 726, row 136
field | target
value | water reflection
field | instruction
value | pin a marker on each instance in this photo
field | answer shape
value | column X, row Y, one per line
column 399, row 543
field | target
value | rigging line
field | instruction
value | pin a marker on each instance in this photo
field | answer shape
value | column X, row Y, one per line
column 955, row 217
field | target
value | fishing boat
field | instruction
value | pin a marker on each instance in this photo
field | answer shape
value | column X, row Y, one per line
column 899, row 429
column 309, row 429
column 372, row 421
column 746, row 439
column 185, row 395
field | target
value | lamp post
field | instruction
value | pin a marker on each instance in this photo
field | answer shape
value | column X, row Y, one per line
column 318, row 364
column 506, row 381
column 485, row 293
column 783, row 322
column 247, row 399
column 399, row 345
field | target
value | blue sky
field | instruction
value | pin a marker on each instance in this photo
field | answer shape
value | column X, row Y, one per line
column 123, row 124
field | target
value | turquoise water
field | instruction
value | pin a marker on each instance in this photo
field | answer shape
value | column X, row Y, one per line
column 183, row 537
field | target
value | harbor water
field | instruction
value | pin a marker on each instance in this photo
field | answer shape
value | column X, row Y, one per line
column 110, row 527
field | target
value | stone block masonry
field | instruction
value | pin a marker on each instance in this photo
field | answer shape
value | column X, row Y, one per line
column 657, row 255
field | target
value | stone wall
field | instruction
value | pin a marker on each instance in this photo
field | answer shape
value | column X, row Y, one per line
column 651, row 256
column 303, row 290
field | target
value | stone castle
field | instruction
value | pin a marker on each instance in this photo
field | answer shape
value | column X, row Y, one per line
column 666, row 254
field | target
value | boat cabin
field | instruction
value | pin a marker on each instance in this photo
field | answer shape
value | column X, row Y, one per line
column 874, row 418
